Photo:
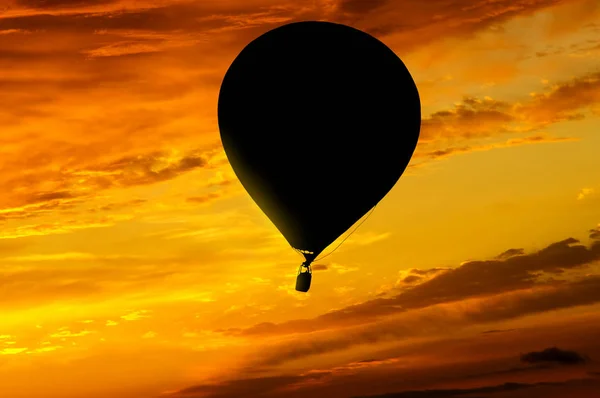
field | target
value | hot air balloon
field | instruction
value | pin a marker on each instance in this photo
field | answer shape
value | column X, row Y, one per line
column 318, row 120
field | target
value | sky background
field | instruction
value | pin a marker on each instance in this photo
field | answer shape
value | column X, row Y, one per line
column 134, row 265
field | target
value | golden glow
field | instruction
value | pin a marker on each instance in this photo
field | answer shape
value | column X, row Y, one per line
column 133, row 263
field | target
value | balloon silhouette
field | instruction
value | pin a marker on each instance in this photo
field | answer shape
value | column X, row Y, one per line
column 318, row 120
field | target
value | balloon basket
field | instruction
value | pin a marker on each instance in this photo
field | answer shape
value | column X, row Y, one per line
column 303, row 281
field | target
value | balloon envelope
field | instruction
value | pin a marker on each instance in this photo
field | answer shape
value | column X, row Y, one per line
column 319, row 121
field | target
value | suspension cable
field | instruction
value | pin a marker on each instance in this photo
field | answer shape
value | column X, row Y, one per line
column 349, row 235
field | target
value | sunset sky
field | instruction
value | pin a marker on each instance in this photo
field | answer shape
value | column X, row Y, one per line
column 134, row 265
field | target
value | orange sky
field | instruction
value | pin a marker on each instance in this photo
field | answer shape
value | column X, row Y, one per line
column 134, row 265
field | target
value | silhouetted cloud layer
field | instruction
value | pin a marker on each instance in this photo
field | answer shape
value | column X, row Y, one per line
column 482, row 392
column 510, row 271
column 554, row 354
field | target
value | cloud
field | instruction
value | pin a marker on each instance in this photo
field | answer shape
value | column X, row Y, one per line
column 412, row 279
column 585, row 192
column 50, row 167
column 160, row 27
column 380, row 17
column 494, row 276
column 52, row 257
column 430, row 321
column 46, row 279
column 64, row 227
column 564, row 101
column 222, row 182
column 497, row 331
column 263, row 386
column 38, row 208
column 359, row 6
column 484, row 117
column 319, row 267
column 48, row 196
column 58, row 4
column 165, row 17
column 420, row 369
column 341, row 268
column 595, row 233
column 473, row 117
column 429, row 271
column 136, row 315
column 470, row 280
column 457, row 150
column 204, row 199
column 416, row 275
column 135, row 43
column 64, row 333
column 77, row 185
column 12, row 351
column 494, row 390
column 554, row 354
column 140, row 170
column 510, row 253
column 457, row 392
column 455, row 18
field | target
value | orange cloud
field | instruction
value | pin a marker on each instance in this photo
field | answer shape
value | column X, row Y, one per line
column 485, row 117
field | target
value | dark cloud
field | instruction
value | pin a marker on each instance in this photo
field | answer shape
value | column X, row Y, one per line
column 256, row 387
column 510, row 371
column 428, row 271
column 472, row 279
column 209, row 197
column 495, row 276
column 510, row 253
column 555, row 355
column 547, row 298
column 407, row 324
column 478, row 392
column 498, row 331
column 595, row 233
column 454, row 392
column 412, row 279
column 120, row 205
column 418, row 276
column 369, row 361
column 319, row 267
column 49, row 196
column 461, row 362
column 364, row 382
